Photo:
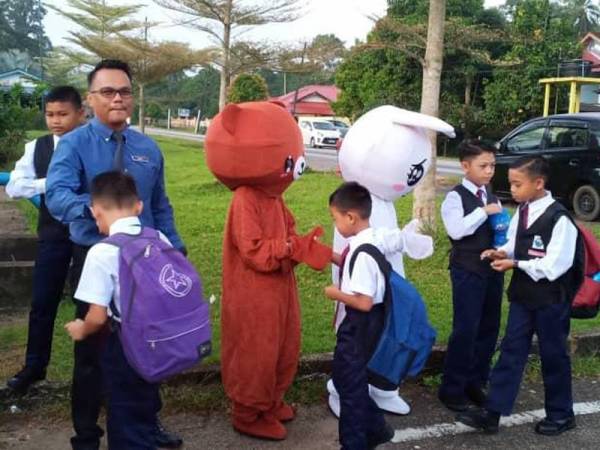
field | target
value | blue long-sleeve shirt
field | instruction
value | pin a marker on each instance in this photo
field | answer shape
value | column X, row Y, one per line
column 88, row 151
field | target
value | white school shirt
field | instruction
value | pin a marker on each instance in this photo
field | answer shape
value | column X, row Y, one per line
column 99, row 282
column 453, row 214
column 366, row 277
column 23, row 181
column 560, row 251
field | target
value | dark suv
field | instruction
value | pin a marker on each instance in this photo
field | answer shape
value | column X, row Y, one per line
column 570, row 144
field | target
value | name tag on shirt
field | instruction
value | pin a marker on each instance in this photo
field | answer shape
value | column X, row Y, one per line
column 536, row 253
column 140, row 158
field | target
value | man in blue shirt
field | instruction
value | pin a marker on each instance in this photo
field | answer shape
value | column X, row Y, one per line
column 105, row 143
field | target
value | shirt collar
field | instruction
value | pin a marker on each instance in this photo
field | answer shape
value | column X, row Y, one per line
column 541, row 204
column 129, row 225
column 472, row 187
column 362, row 235
column 105, row 131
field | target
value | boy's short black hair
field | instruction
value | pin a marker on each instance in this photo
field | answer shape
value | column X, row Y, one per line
column 113, row 64
column 116, row 188
column 471, row 148
column 66, row 94
column 352, row 196
column 533, row 167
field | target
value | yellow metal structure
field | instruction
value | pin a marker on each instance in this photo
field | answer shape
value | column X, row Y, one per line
column 575, row 84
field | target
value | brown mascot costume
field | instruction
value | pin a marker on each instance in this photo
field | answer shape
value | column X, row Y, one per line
column 256, row 150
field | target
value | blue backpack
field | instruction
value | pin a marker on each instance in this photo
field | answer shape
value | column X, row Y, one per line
column 165, row 323
column 407, row 337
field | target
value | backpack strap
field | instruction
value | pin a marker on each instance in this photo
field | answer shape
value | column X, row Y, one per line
column 374, row 253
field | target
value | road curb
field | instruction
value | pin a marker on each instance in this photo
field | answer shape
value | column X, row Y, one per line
column 584, row 344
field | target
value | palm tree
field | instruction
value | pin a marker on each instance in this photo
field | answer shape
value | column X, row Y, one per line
column 585, row 13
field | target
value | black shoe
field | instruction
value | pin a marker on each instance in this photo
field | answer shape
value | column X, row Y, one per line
column 549, row 427
column 385, row 435
column 482, row 419
column 476, row 395
column 166, row 439
column 23, row 380
column 456, row 404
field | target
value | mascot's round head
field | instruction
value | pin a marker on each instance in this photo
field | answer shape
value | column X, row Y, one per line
column 255, row 144
column 387, row 150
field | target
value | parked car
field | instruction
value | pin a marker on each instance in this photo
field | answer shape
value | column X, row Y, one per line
column 340, row 126
column 318, row 133
column 570, row 144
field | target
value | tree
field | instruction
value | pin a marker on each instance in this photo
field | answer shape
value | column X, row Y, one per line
column 248, row 88
column 585, row 15
column 224, row 20
column 21, row 27
column 424, row 198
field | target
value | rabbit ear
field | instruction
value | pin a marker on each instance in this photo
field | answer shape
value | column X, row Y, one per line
column 229, row 117
column 414, row 119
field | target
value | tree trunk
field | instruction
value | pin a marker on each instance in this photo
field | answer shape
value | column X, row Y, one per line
column 142, row 109
column 225, row 70
column 424, row 198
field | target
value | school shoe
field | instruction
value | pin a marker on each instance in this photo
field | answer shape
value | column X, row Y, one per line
column 265, row 426
column 549, row 427
column 389, row 401
column 455, row 404
column 385, row 435
column 166, row 439
column 284, row 412
column 482, row 419
column 476, row 395
column 23, row 380
column 334, row 399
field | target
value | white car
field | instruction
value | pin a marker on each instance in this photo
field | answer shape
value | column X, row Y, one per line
column 319, row 133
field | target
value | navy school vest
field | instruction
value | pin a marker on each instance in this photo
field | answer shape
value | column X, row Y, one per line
column 48, row 227
column 532, row 243
column 466, row 252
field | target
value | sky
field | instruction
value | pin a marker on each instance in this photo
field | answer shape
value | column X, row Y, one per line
column 347, row 19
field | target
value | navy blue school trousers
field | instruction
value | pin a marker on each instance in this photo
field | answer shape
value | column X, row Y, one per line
column 476, row 302
column 551, row 324
column 361, row 421
column 132, row 402
column 50, row 272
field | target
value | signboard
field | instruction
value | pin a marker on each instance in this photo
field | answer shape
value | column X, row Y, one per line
column 183, row 112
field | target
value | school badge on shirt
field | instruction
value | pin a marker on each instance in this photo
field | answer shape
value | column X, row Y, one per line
column 537, row 247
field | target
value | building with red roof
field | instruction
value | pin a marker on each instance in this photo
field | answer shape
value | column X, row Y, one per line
column 591, row 50
column 312, row 100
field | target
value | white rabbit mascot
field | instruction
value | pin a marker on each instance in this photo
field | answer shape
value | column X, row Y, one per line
column 388, row 151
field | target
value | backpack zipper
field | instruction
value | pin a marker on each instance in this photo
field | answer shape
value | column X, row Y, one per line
column 154, row 341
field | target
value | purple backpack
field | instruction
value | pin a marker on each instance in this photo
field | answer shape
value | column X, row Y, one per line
column 165, row 323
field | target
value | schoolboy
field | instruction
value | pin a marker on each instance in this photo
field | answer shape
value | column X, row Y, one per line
column 476, row 288
column 63, row 112
column 132, row 402
column 362, row 424
column 544, row 254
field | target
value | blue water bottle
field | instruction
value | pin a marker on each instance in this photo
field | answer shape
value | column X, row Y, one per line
column 500, row 223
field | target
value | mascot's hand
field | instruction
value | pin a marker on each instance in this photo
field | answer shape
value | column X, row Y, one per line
column 308, row 249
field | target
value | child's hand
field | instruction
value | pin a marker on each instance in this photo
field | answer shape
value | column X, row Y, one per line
column 332, row 292
column 492, row 208
column 75, row 329
column 502, row 265
column 493, row 254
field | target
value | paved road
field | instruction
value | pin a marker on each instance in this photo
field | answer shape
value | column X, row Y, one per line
column 316, row 429
column 321, row 159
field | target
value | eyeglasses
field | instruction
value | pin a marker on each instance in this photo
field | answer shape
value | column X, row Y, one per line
column 110, row 93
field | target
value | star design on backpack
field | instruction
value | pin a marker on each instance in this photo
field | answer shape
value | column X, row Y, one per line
column 175, row 283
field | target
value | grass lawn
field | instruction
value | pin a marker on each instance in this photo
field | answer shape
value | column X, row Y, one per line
column 201, row 204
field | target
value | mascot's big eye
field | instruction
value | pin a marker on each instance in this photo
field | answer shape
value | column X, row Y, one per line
column 288, row 166
column 415, row 173
column 299, row 168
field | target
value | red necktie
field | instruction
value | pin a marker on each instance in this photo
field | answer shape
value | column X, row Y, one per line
column 524, row 216
column 341, row 268
column 480, row 195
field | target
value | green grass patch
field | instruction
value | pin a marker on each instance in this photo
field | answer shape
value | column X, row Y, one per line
column 201, row 205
